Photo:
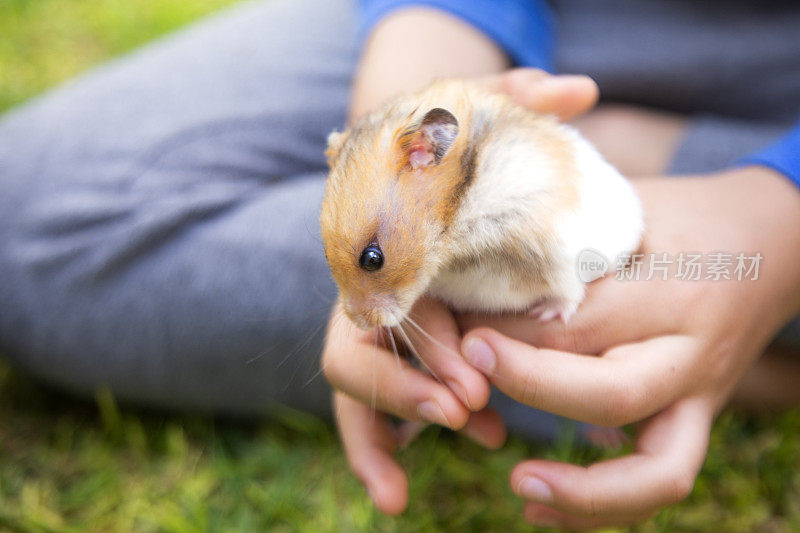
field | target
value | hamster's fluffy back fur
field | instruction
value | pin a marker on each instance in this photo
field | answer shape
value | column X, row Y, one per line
column 541, row 194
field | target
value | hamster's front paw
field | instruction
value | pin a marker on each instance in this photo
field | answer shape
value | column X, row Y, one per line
column 553, row 308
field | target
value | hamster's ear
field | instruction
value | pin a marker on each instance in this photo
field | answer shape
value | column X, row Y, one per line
column 335, row 141
column 436, row 134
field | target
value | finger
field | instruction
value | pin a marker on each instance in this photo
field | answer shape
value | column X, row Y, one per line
column 613, row 313
column 544, row 516
column 408, row 431
column 499, row 82
column 625, row 385
column 565, row 95
column 432, row 330
column 381, row 379
column 661, row 471
column 369, row 442
column 487, row 428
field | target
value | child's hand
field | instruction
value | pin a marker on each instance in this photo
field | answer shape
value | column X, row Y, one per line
column 666, row 352
column 371, row 381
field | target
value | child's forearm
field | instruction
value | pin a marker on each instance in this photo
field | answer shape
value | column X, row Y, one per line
column 413, row 46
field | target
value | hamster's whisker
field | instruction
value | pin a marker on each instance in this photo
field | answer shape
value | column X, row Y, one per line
column 297, row 347
column 301, row 345
column 407, row 340
column 327, row 298
column 416, row 352
column 338, row 320
column 374, row 393
column 311, row 312
column 313, row 234
column 260, row 354
column 298, row 351
column 322, row 365
column 338, row 412
column 431, row 337
column 394, row 348
column 312, row 378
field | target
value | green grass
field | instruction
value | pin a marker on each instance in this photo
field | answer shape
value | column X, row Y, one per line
column 43, row 42
column 73, row 465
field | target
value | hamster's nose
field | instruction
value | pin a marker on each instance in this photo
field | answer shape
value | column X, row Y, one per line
column 373, row 311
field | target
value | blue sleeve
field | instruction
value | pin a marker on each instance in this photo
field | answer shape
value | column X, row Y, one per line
column 783, row 156
column 523, row 28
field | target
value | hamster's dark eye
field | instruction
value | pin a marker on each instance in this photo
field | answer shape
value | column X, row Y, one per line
column 371, row 258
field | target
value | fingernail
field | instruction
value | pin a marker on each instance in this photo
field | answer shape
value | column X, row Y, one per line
column 479, row 355
column 431, row 412
column 459, row 391
column 533, row 488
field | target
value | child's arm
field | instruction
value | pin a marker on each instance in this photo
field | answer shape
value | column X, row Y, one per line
column 411, row 47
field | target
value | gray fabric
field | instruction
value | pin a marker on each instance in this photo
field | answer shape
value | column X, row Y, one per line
column 737, row 59
column 158, row 228
column 713, row 142
column 733, row 66
column 158, row 217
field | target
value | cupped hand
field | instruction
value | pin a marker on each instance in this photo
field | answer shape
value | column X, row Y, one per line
column 372, row 382
column 373, row 379
column 667, row 352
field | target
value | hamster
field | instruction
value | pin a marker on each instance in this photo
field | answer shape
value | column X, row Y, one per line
column 464, row 195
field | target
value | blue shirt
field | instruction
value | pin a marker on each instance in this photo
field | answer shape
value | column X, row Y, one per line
column 525, row 30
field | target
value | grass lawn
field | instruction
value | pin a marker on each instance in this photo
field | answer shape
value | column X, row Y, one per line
column 76, row 465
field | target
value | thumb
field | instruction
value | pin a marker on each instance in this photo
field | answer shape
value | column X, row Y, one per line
column 565, row 96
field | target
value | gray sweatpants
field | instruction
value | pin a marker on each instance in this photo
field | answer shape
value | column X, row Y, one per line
column 158, row 216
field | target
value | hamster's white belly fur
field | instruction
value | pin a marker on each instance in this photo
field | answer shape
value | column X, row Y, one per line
column 484, row 289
